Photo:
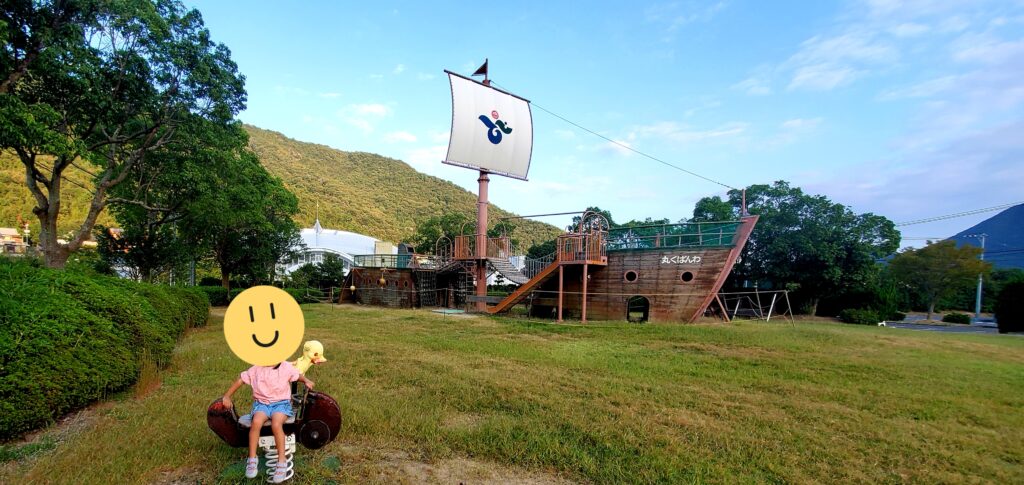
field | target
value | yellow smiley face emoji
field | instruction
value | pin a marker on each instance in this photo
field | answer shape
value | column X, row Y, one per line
column 264, row 325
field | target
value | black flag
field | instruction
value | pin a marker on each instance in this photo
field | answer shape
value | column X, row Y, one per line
column 482, row 71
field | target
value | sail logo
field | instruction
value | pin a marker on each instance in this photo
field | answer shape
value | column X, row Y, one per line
column 495, row 128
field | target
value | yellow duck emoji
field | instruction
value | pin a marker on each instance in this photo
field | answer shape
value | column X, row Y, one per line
column 312, row 353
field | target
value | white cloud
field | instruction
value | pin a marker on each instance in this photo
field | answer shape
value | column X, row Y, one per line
column 923, row 89
column 364, row 116
column 440, row 136
column 986, row 49
column 802, row 123
column 399, row 136
column 399, row 69
column 823, row 77
column 754, row 86
column 565, row 134
column 825, row 63
column 674, row 15
column 370, row 109
column 680, row 133
column 423, row 76
column 909, row 29
column 426, row 159
column 618, row 147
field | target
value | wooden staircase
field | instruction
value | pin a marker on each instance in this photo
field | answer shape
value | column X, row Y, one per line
column 525, row 289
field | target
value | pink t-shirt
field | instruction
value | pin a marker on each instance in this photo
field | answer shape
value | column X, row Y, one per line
column 269, row 384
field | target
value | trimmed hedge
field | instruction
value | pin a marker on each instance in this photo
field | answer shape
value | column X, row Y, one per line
column 218, row 296
column 957, row 317
column 69, row 338
column 860, row 316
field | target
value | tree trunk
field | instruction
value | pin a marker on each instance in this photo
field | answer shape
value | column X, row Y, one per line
column 814, row 306
column 225, row 280
column 54, row 254
column 931, row 309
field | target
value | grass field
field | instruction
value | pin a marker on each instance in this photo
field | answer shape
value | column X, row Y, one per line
column 433, row 398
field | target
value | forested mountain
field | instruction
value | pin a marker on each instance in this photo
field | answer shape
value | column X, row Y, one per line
column 1004, row 237
column 360, row 192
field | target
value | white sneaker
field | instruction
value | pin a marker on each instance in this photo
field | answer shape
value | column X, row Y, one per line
column 282, row 473
column 252, row 467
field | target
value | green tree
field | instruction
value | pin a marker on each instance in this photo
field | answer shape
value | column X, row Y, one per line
column 713, row 209
column 100, row 87
column 449, row 224
column 805, row 242
column 576, row 220
column 330, row 271
column 938, row 270
column 247, row 222
column 168, row 193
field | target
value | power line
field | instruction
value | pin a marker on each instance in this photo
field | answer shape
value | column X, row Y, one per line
column 623, row 145
column 959, row 214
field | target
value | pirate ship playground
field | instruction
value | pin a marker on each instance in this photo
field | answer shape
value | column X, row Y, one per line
column 664, row 272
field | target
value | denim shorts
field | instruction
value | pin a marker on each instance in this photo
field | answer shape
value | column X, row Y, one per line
column 284, row 406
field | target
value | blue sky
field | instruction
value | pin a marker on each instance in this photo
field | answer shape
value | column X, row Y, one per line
column 908, row 109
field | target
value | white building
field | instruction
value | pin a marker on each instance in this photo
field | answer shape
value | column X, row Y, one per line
column 320, row 242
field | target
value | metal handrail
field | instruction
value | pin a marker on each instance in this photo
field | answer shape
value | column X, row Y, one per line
column 397, row 261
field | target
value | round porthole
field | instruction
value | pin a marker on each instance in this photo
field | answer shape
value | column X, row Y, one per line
column 630, row 276
column 405, row 284
column 687, row 276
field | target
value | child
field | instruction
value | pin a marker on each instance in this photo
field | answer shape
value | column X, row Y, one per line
column 271, row 393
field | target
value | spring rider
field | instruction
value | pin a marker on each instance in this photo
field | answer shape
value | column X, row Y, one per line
column 317, row 419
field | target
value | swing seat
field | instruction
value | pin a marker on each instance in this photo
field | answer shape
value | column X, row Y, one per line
column 246, row 421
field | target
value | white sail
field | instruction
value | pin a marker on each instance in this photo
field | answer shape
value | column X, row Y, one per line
column 491, row 130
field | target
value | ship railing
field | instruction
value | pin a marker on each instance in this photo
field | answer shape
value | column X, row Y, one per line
column 397, row 261
column 682, row 235
column 533, row 266
column 497, row 247
column 576, row 248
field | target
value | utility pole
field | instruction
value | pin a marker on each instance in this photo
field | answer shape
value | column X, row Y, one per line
column 977, row 298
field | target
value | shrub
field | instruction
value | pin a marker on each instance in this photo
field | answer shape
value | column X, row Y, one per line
column 1010, row 308
column 68, row 338
column 957, row 317
column 859, row 316
column 217, row 295
column 209, row 281
column 897, row 316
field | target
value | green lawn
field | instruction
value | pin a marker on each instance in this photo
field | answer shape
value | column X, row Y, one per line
column 428, row 397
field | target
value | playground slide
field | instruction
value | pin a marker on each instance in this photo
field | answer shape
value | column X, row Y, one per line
column 524, row 289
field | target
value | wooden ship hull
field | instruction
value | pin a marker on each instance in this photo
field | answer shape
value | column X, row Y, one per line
column 666, row 273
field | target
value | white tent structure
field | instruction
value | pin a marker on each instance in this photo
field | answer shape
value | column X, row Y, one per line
column 320, row 242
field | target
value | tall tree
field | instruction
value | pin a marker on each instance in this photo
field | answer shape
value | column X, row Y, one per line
column 429, row 231
column 938, row 270
column 100, row 87
column 247, row 221
column 805, row 242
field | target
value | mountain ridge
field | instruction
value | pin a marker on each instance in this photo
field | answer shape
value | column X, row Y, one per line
column 1004, row 238
column 360, row 192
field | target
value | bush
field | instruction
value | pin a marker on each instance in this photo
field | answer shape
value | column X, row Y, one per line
column 957, row 317
column 897, row 316
column 217, row 295
column 860, row 316
column 68, row 338
column 209, row 281
column 1010, row 308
